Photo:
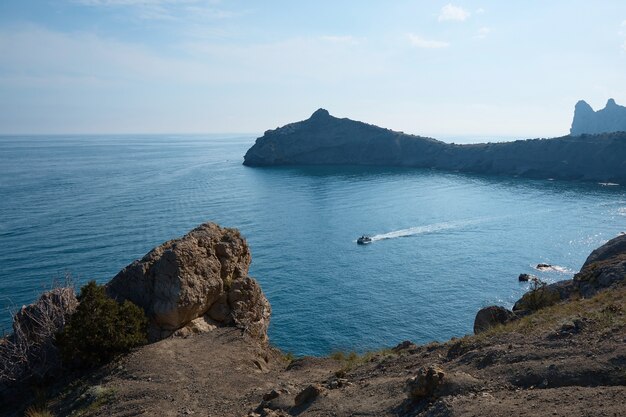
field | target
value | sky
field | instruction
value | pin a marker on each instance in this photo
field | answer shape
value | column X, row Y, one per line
column 467, row 68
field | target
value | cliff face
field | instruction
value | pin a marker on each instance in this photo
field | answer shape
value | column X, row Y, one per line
column 327, row 140
column 611, row 118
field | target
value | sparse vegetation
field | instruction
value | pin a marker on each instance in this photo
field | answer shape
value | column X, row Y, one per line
column 29, row 353
column 539, row 296
column 38, row 411
column 100, row 328
column 289, row 357
column 93, row 399
column 352, row 359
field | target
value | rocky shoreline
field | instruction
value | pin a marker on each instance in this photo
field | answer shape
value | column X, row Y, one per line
column 327, row 140
column 560, row 351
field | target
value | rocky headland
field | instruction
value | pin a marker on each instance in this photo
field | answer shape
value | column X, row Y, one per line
column 327, row 140
column 561, row 351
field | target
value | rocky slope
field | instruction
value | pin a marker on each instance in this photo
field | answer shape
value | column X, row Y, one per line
column 567, row 358
column 612, row 118
column 326, row 140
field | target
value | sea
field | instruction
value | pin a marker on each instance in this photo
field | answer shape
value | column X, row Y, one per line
column 444, row 244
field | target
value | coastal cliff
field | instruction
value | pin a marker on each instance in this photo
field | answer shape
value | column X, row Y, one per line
column 562, row 357
column 612, row 118
column 326, row 140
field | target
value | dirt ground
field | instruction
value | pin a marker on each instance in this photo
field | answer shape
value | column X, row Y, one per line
column 567, row 360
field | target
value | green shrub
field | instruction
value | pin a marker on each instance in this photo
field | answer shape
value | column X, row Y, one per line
column 100, row 328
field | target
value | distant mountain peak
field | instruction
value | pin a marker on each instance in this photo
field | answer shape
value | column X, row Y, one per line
column 583, row 106
column 320, row 114
column 612, row 118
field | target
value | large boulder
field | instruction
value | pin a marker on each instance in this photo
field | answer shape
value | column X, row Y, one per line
column 491, row 316
column 202, row 274
column 605, row 266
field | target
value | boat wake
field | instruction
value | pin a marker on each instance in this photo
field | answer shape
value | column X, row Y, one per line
column 429, row 228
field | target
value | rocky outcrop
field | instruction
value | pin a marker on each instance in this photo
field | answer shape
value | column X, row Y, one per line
column 544, row 295
column 203, row 275
column 611, row 118
column 326, row 140
column 605, row 266
column 491, row 316
column 432, row 382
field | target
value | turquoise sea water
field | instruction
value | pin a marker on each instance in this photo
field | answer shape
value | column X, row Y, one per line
column 445, row 244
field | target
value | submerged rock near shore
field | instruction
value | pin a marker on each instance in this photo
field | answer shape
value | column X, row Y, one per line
column 326, row 140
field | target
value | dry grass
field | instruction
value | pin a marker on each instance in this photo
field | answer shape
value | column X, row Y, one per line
column 351, row 360
column 30, row 350
column 38, row 411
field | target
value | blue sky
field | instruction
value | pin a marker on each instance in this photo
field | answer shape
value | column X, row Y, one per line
column 435, row 68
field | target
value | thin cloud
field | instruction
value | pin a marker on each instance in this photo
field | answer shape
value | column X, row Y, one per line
column 345, row 40
column 450, row 12
column 134, row 2
column 419, row 42
column 179, row 10
column 479, row 11
column 483, row 32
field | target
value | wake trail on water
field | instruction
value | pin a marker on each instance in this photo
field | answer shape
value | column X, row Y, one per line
column 429, row 228
column 459, row 224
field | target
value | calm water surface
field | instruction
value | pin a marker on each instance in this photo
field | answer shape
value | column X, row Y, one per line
column 445, row 244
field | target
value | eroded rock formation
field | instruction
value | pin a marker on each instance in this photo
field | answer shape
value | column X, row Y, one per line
column 612, row 118
column 203, row 274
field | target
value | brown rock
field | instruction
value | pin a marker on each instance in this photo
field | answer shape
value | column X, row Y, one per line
column 203, row 272
column 544, row 295
column 403, row 346
column 433, row 382
column 491, row 316
column 250, row 309
column 271, row 395
column 220, row 310
column 308, row 394
column 424, row 384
